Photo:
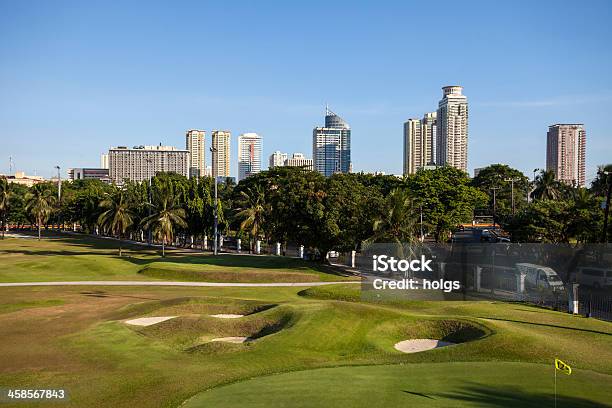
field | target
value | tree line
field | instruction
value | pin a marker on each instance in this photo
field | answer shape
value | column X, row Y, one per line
column 293, row 205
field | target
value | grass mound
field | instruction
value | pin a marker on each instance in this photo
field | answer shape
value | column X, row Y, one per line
column 453, row 331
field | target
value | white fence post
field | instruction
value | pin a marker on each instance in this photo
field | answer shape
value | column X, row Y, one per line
column 574, row 299
column 301, row 252
column 351, row 259
column 238, row 242
column 258, row 247
column 221, row 241
column 205, row 243
column 278, row 248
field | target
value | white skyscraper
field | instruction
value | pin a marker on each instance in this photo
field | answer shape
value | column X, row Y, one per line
column 277, row 159
column 452, row 129
column 140, row 163
column 419, row 143
column 195, row 143
column 249, row 155
column 104, row 161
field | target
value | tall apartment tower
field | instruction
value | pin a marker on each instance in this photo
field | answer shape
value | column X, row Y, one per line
column 249, row 155
column 566, row 153
column 195, row 143
column 452, row 129
column 277, row 159
column 419, row 143
column 220, row 140
column 331, row 145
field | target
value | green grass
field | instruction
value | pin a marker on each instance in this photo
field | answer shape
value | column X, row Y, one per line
column 69, row 258
column 414, row 385
column 314, row 347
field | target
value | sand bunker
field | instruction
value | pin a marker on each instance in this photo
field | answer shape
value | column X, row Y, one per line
column 231, row 339
column 148, row 321
column 416, row 345
column 227, row 316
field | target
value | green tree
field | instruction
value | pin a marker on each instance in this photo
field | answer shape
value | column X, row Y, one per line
column 398, row 220
column 5, row 198
column 500, row 176
column 167, row 214
column 252, row 211
column 117, row 216
column 39, row 204
column 547, row 187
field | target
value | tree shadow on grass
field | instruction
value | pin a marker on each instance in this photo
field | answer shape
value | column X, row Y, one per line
column 103, row 294
column 487, row 396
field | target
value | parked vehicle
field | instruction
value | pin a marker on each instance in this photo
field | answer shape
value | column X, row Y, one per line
column 540, row 277
column 593, row 276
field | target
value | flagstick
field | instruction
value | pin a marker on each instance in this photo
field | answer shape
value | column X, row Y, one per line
column 555, row 386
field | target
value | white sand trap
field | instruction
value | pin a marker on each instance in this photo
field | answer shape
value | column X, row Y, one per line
column 231, row 339
column 148, row 321
column 227, row 316
column 416, row 345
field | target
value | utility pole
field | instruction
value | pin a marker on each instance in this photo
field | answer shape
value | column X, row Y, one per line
column 213, row 150
column 512, row 180
column 149, row 234
column 607, row 209
column 494, row 189
column 422, row 236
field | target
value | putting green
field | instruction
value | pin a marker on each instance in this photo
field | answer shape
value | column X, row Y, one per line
column 492, row 384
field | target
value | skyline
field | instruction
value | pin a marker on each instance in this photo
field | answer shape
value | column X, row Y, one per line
column 78, row 79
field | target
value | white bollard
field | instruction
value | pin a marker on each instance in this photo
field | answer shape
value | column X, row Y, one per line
column 258, row 247
column 221, row 241
column 205, row 243
column 351, row 260
column 574, row 299
column 238, row 242
column 301, row 252
column 278, row 248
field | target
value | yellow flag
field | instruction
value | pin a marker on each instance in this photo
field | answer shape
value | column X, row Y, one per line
column 560, row 365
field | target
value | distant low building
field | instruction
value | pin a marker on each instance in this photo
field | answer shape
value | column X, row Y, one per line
column 299, row 160
column 277, row 159
column 21, row 178
column 89, row 174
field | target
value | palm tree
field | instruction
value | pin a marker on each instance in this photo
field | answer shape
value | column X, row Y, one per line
column 252, row 211
column 398, row 221
column 39, row 203
column 546, row 186
column 117, row 216
column 166, row 215
column 5, row 195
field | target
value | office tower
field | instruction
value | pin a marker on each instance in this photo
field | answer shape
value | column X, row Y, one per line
column 299, row 160
column 249, row 155
column 452, row 129
column 331, row 146
column 277, row 159
column 104, row 161
column 221, row 153
column 566, row 153
column 143, row 162
column 195, row 143
column 419, row 143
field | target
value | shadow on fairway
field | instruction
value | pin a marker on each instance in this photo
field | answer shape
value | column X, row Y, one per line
column 546, row 325
column 487, row 396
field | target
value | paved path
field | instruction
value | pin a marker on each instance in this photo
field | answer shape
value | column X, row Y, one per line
column 164, row 283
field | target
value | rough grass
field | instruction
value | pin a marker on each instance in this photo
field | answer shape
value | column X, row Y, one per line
column 76, row 258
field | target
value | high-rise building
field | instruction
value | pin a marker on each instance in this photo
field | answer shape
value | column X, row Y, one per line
column 143, row 162
column 331, row 145
column 249, row 155
column 566, row 153
column 195, row 143
column 419, row 143
column 277, row 159
column 452, row 129
column 299, row 160
column 221, row 153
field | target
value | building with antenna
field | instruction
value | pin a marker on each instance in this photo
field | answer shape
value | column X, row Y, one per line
column 331, row 145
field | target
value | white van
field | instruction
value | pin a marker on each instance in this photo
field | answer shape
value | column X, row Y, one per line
column 540, row 277
column 593, row 276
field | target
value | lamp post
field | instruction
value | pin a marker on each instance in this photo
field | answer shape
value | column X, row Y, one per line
column 59, row 192
column 213, row 150
column 149, row 235
column 607, row 209
column 494, row 189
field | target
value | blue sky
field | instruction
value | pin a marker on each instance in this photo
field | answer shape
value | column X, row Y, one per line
column 78, row 77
